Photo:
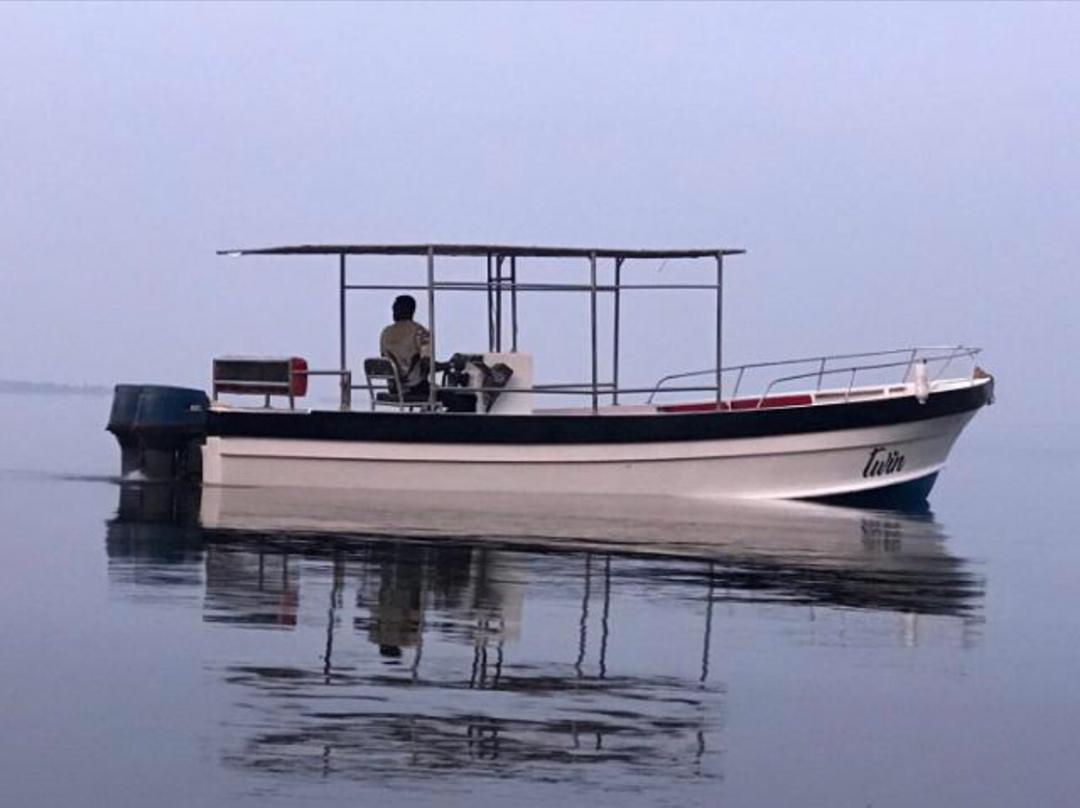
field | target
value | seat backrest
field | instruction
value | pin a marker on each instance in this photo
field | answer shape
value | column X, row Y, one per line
column 383, row 371
column 251, row 375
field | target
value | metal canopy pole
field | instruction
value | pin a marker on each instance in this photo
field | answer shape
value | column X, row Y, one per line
column 479, row 286
column 341, row 311
column 345, row 379
column 431, row 325
column 592, row 318
column 498, row 303
column 490, row 308
column 719, row 322
column 615, row 340
column 513, row 303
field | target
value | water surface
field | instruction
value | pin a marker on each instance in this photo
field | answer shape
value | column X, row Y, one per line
column 166, row 648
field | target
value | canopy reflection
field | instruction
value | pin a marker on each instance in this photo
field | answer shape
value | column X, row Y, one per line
column 419, row 616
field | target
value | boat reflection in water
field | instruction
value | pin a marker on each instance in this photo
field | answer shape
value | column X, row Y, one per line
column 506, row 638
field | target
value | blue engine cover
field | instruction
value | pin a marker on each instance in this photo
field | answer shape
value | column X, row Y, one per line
column 158, row 416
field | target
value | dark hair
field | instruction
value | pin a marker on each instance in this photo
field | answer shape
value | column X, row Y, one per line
column 404, row 307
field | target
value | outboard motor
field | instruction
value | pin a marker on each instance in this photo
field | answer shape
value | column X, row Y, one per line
column 160, row 430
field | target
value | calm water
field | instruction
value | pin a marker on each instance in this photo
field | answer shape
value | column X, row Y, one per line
column 162, row 649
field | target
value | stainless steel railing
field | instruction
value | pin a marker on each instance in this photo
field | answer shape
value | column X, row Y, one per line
column 345, row 384
column 818, row 368
column 939, row 357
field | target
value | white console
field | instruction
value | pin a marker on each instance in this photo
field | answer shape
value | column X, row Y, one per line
column 509, row 402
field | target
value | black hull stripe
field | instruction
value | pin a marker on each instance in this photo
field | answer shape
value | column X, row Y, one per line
column 393, row 427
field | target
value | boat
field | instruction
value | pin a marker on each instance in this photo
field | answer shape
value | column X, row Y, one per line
column 873, row 424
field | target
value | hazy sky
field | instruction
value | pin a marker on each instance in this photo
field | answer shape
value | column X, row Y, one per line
column 900, row 174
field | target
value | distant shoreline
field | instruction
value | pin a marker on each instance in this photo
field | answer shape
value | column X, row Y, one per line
column 12, row 387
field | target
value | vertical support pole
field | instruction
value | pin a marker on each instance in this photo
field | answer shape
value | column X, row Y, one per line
column 490, row 307
column 431, row 324
column 343, row 379
column 513, row 303
column 498, row 303
column 719, row 323
column 615, row 335
column 592, row 323
column 341, row 311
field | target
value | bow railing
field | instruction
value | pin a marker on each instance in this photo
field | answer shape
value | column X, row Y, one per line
column 817, row 369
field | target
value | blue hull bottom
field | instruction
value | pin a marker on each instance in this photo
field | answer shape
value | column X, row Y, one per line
column 909, row 496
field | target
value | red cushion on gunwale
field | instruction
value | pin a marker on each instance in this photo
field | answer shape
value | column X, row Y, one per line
column 299, row 376
column 794, row 400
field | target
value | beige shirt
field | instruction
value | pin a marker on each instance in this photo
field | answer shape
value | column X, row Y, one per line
column 403, row 342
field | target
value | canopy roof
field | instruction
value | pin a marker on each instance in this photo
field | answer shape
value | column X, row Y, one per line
column 479, row 250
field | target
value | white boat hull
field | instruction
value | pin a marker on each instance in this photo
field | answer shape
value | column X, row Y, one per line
column 813, row 464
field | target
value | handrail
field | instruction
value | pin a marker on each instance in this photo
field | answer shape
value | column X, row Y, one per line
column 345, row 384
column 586, row 389
column 853, row 370
column 566, row 385
column 947, row 355
column 955, row 351
column 564, row 390
column 777, row 363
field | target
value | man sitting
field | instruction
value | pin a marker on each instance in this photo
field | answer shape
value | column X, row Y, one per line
column 407, row 344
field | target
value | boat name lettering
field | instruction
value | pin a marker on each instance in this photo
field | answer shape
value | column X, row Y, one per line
column 881, row 463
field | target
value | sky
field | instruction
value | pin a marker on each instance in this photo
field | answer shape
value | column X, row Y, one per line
column 899, row 174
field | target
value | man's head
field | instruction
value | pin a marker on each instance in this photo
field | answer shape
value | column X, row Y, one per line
column 404, row 307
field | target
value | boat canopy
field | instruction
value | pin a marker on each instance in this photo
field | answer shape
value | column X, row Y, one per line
column 501, row 282
column 480, row 251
